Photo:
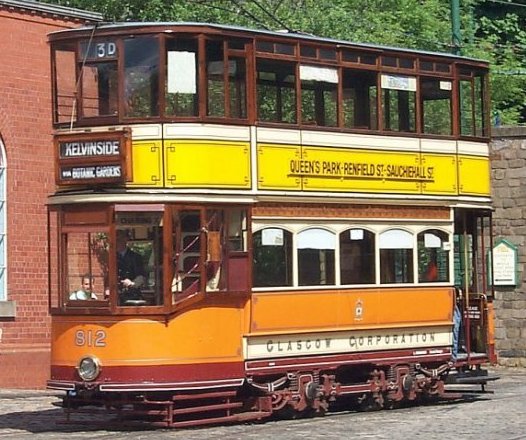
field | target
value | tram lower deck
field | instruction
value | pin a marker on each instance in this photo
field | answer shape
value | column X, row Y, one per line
column 300, row 338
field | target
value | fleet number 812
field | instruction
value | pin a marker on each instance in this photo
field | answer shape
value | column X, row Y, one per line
column 90, row 338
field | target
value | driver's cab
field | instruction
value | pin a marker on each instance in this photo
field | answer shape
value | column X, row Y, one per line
column 145, row 258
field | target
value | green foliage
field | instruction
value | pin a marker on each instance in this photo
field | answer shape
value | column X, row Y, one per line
column 491, row 30
column 500, row 37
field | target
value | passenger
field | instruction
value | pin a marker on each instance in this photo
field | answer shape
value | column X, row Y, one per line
column 86, row 289
column 131, row 273
column 431, row 272
column 432, row 268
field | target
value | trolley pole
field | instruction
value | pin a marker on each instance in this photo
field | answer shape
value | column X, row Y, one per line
column 455, row 26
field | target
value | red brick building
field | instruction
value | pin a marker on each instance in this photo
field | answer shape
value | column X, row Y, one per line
column 26, row 178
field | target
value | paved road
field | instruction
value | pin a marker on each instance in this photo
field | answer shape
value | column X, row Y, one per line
column 497, row 416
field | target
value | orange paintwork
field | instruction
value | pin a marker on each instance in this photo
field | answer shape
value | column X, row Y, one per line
column 207, row 332
column 306, row 311
column 212, row 330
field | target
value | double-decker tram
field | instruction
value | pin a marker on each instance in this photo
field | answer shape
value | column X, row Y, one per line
column 249, row 223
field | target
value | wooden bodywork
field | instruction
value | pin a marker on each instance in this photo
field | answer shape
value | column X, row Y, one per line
column 286, row 255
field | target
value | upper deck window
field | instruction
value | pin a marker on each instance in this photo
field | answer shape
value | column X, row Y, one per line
column 141, row 77
column 321, row 53
column 308, row 51
column 360, row 92
column 226, row 81
column 435, row 95
column 182, row 78
column 319, row 95
column 399, row 103
column 99, row 78
column 473, row 109
column 431, row 66
column 65, row 84
column 276, row 91
column 358, row 58
column 277, row 48
column 99, row 90
column 398, row 62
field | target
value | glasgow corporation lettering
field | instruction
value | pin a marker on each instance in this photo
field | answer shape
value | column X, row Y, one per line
column 347, row 342
column 354, row 342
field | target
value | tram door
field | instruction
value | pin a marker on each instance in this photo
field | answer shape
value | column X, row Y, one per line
column 210, row 251
column 472, row 240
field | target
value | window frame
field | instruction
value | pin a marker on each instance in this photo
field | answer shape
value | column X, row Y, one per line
column 371, row 234
column 288, row 245
column 3, row 226
column 445, row 250
column 122, row 76
column 337, row 227
column 342, row 56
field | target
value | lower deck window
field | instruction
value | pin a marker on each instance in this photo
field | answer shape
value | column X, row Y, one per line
column 272, row 258
column 433, row 257
column 357, row 262
column 87, row 262
column 316, row 257
column 396, row 256
column 139, row 244
column 353, row 257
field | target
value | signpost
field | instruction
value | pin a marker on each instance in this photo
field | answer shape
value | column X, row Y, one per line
column 504, row 259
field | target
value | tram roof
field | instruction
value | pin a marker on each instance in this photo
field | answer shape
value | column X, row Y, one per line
column 53, row 10
column 150, row 26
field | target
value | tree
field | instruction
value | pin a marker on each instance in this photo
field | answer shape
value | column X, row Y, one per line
column 500, row 37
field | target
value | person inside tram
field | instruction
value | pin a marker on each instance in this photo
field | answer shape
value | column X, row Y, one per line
column 131, row 272
column 86, row 289
column 432, row 268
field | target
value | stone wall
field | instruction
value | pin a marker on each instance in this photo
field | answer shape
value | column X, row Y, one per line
column 508, row 151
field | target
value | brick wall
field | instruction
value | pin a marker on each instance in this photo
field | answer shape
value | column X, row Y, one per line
column 509, row 192
column 25, row 129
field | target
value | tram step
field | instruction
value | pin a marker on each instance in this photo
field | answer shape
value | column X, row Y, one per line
column 475, row 380
column 470, row 377
column 236, row 418
column 213, row 407
column 210, row 395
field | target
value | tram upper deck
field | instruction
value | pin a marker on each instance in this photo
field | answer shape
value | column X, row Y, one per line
column 198, row 108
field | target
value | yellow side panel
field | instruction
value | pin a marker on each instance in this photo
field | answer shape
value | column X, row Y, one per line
column 474, row 175
column 208, row 164
column 361, row 170
column 443, row 170
column 376, row 308
column 207, row 334
column 275, row 166
column 147, row 163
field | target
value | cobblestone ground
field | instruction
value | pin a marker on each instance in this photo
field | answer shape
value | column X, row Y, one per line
column 500, row 414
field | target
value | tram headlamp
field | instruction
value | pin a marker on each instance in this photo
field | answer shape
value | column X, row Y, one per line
column 89, row 368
